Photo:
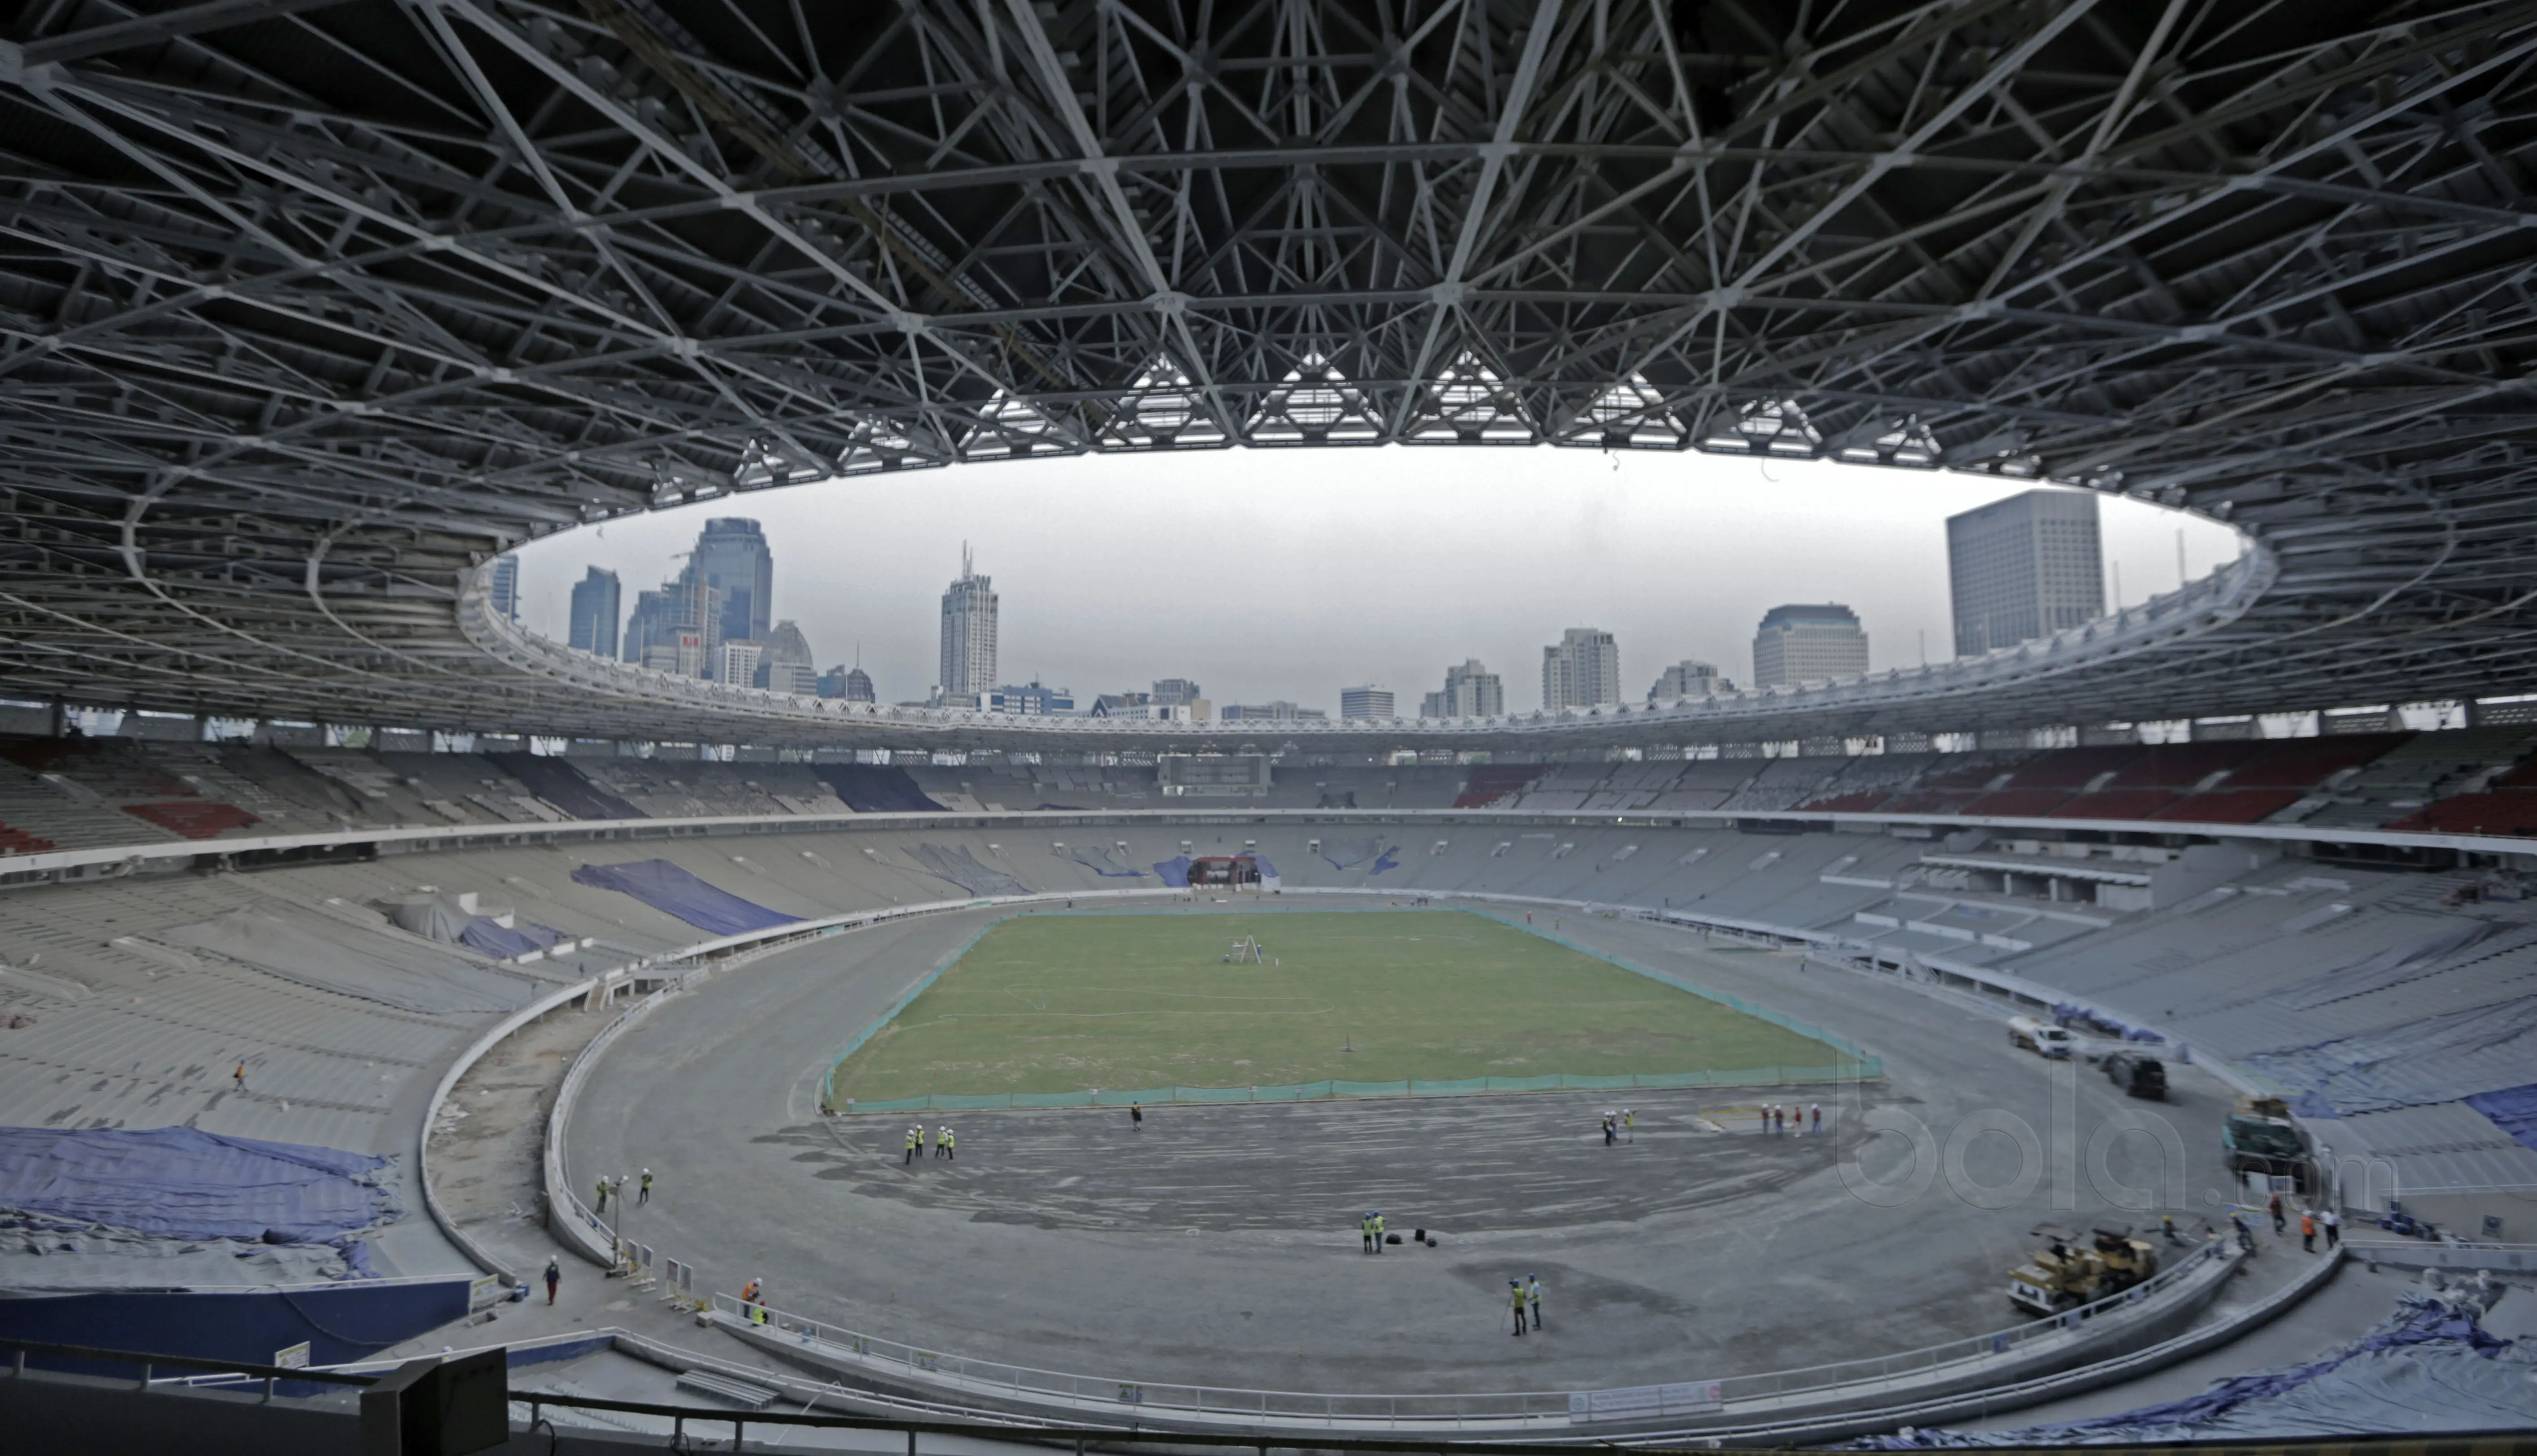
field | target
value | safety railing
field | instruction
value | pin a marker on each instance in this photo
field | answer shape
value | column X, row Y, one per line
column 1029, row 1384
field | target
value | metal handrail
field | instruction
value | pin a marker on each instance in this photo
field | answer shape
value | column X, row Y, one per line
column 1457, row 1407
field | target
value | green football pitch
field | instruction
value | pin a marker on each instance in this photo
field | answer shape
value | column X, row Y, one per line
column 1061, row 1003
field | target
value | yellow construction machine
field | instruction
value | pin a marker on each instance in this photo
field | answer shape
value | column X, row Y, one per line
column 2070, row 1271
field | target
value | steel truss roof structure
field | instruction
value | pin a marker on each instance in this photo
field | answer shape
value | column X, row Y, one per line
column 311, row 305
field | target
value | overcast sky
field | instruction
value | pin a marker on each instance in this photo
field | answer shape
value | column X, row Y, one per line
column 1294, row 573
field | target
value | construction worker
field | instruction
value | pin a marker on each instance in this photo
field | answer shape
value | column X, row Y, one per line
column 946, row 1146
column 1365, row 1227
column 748, row 1292
column 2308, row 1230
column 643, row 1194
column 1378, row 1231
column 554, row 1275
column 1533, row 1297
column 240, row 1074
column 2167, row 1226
column 2333, row 1228
column 1630, row 1123
column 1607, row 1129
column 2280, row 1224
column 603, row 1195
column 1136, row 1116
column 2246, row 1235
column 915, row 1136
column 1814, row 1112
column 942, row 1142
column 1515, row 1296
column 758, row 1312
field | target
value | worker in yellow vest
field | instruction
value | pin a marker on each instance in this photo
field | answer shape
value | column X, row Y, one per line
column 1365, row 1230
column 1515, row 1296
column 1378, row 1231
column 915, row 1137
column 946, row 1146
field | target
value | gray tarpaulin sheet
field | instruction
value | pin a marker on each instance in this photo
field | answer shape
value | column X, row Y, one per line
column 666, row 887
column 182, row 1183
column 2429, row 1367
column 432, row 916
column 1103, row 863
column 960, row 867
column 2433, row 1059
column 318, row 950
column 2423, row 955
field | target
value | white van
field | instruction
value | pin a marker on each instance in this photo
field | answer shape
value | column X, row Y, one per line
column 2041, row 1037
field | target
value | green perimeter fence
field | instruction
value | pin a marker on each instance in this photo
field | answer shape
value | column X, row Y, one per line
column 1846, row 1072
column 1856, row 1065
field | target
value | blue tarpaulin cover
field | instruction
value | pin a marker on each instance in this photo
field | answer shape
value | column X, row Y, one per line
column 2514, row 1110
column 1348, row 853
column 1175, row 871
column 2427, row 1367
column 877, row 788
column 666, row 887
column 561, row 785
column 180, row 1182
column 490, row 936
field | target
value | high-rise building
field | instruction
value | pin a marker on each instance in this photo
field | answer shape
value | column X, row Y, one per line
column 596, row 600
column 787, row 667
column 1808, row 644
column 660, row 618
column 507, row 586
column 1471, row 691
column 1579, row 670
column 2023, row 567
column 853, row 684
column 968, row 633
column 1175, row 691
column 732, row 557
column 1689, row 679
column 737, row 663
column 687, row 655
column 1365, row 702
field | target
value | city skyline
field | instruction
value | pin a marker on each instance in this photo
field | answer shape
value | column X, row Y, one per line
column 1264, row 589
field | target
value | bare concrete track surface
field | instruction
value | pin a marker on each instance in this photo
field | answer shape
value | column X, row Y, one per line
column 1218, row 1244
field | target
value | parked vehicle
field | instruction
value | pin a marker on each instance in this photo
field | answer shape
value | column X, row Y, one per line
column 2137, row 1074
column 2075, row 1271
column 2041, row 1037
column 2259, row 1137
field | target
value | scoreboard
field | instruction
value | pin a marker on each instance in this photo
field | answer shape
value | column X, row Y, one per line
column 1213, row 775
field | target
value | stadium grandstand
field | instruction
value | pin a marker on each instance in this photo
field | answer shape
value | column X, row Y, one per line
column 416, row 1033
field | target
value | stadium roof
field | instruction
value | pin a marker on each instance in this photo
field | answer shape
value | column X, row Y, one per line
column 311, row 305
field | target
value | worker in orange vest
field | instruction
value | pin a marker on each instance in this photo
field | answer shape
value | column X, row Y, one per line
column 2308, row 1230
